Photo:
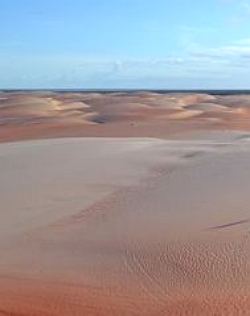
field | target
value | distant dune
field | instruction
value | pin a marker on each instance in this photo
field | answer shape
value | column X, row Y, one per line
column 145, row 114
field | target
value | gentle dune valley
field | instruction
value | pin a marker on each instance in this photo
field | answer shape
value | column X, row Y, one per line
column 124, row 203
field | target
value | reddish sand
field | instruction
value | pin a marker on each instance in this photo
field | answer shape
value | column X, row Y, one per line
column 49, row 115
column 124, row 226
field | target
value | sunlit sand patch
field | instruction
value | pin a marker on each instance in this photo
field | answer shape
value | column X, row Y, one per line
column 185, row 114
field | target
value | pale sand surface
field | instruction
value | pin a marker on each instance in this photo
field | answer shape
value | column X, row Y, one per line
column 125, row 226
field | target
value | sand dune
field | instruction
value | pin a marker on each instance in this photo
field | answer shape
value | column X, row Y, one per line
column 147, row 214
column 144, row 114
column 109, row 226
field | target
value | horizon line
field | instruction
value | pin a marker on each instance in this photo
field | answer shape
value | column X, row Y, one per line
column 110, row 90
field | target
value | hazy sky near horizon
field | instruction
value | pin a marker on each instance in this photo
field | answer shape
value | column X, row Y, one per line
column 181, row 44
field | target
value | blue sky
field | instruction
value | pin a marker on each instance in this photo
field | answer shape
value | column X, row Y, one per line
column 181, row 44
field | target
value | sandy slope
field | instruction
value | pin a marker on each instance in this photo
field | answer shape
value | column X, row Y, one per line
column 125, row 226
